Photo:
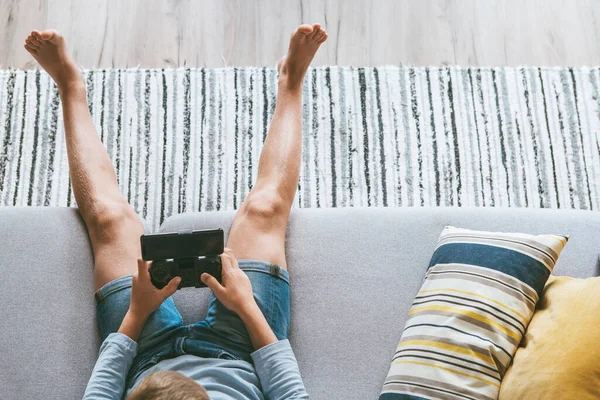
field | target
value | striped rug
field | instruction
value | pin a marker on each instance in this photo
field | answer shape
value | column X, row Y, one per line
column 190, row 139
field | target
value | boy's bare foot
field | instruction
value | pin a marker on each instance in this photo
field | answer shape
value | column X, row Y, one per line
column 50, row 51
column 304, row 43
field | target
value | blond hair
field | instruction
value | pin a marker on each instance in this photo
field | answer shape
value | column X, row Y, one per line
column 168, row 385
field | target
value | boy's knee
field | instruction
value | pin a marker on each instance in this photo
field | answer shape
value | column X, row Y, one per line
column 265, row 205
column 108, row 220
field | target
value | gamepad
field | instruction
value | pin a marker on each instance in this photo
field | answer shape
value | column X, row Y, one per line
column 185, row 253
column 189, row 269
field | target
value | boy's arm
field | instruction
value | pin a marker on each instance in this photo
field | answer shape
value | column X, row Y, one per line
column 119, row 349
column 109, row 374
column 257, row 326
column 278, row 372
column 274, row 360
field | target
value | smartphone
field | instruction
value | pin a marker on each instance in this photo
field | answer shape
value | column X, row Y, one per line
column 182, row 244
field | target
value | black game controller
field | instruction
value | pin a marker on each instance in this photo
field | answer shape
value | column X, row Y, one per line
column 189, row 269
column 187, row 254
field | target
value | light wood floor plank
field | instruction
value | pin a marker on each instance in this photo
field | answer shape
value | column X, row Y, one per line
column 214, row 33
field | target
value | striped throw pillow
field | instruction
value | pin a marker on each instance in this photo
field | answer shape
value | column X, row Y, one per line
column 467, row 320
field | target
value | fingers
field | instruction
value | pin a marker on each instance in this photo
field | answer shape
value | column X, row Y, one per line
column 228, row 258
column 171, row 288
column 212, row 283
column 143, row 267
column 229, row 252
column 225, row 262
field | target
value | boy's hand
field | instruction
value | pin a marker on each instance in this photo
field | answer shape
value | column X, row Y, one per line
column 235, row 293
column 235, row 289
column 145, row 297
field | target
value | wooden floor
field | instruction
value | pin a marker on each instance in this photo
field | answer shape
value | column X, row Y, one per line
column 214, row 33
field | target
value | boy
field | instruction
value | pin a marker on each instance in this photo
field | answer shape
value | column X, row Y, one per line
column 240, row 350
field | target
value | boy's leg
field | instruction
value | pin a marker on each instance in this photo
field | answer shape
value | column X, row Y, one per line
column 258, row 230
column 257, row 234
column 113, row 226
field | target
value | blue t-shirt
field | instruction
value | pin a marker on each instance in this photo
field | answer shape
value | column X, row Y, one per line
column 274, row 374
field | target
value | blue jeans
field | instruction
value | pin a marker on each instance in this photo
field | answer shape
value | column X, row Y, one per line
column 222, row 334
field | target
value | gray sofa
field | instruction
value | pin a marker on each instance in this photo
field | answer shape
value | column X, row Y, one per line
column 354, row 274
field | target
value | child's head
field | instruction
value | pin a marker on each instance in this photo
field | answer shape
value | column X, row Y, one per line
column 169, row 385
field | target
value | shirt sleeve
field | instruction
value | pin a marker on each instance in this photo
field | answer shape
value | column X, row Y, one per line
column 110, row 372
column 278, row 371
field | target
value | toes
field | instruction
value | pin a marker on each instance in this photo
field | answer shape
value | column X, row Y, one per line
column 34, row 39
column 315, row 32
column 320, row 36
column 31, row 44
column 49, row 34
column 30, row 49
column 305, row 29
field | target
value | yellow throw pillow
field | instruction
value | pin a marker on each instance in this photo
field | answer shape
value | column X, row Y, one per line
column 559, row 357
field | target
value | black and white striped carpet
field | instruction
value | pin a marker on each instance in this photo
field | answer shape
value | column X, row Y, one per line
column 187, row 140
